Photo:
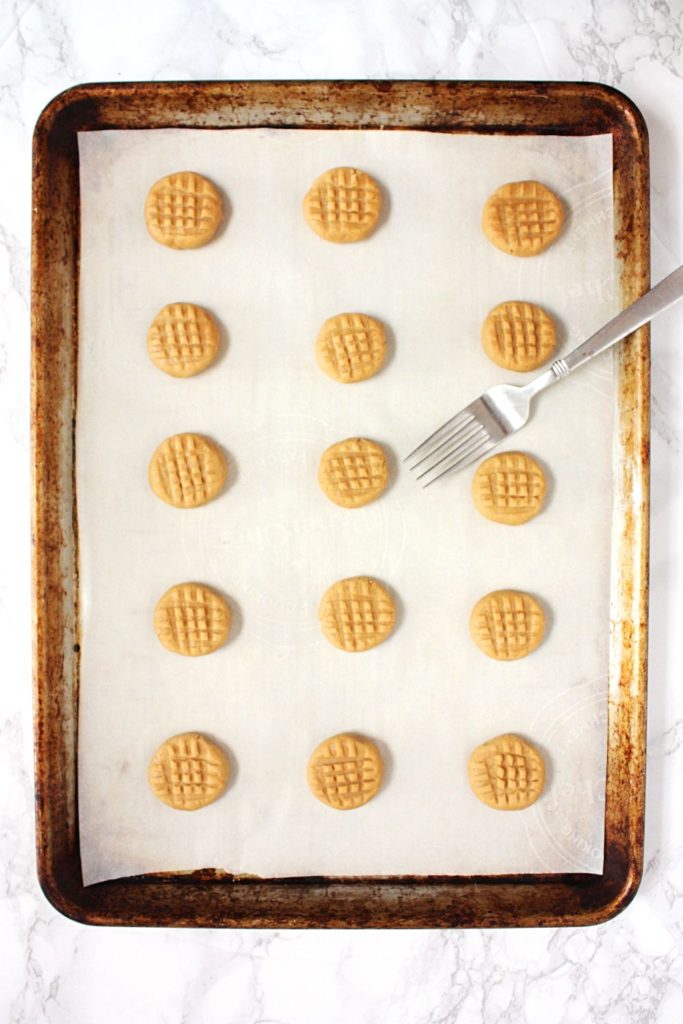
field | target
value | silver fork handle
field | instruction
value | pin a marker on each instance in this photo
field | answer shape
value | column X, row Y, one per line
column 659, row 298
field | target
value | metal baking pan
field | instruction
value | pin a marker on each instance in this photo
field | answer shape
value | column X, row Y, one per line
column 214, row 899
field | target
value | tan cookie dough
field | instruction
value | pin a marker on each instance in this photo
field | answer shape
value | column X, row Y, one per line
column 507, row 624
column 187, row 470
column 183, row 210
column 351, row 347
column 522, row 218
column 357, row 613
column 192, row 619
column 182, row 339
column 345, row 771
column 188, row 772
column 518, row 336
column 353, row 472
column 343, row 205
column 509, row 488
column 506, row 773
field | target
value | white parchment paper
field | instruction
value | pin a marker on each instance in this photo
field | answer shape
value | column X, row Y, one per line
column 272, row 542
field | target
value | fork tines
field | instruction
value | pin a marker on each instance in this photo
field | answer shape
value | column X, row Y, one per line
column 458, row 442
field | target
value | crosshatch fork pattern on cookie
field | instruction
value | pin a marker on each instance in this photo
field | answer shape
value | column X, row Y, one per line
column 509, row 484
column 357, row 614
column 353, row 472
column 191, row 619
column 183, row 204
column 182, row 339
column 344, row 198
column 519, row 335
column 184, row 774
column 507, row 624
column 344, row 773
column 525, row 215
column 352, row 346
column 507, row 773
column 188, row 470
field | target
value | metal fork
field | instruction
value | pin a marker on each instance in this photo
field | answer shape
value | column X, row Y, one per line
column 503, row 409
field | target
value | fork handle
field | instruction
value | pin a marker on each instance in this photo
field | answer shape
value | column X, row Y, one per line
column 659, row 298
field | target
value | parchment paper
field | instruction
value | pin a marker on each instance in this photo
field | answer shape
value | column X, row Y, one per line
column 273, row 542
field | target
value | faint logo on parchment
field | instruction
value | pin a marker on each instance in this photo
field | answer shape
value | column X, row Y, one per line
column 568, row 820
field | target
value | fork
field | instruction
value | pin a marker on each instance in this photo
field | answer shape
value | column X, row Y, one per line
column 505, row 408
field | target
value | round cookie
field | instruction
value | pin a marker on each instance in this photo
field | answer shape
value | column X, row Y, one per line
column 188, row 772
column 343, row 205
column 518, row 336
column 509, row 488
column 507, row 624
column 522, row 218
column 182, row 339
column 183, row 210
column 351, row 347
column 506, row 773
column 353, row 472
column 357, row 613
column 192, row 619
column 345, row 771
column 187, row 470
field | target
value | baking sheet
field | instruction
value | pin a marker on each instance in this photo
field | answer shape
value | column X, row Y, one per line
column 273, row 543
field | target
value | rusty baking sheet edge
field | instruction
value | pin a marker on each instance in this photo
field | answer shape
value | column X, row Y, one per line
column 211, row 898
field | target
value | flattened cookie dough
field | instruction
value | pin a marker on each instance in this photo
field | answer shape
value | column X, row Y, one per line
column 507, row 624
column 354, row 472
column 518, row 336
column 357, row 613
column 187, row 470
column 343, row 205
column 188, row 772
column 345, row 771
column 351, row 347
column 182, row 339
column 522, row 218
column 507, row 773
column 509, row 488
column 183, row 210
column 192, row 619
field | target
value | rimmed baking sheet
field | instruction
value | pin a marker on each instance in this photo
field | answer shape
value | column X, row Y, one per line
column 207, row 897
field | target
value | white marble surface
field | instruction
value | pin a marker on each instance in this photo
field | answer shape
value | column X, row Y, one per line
column 629, row 970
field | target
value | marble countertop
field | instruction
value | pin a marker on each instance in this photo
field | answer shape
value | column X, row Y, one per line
column 628, row 970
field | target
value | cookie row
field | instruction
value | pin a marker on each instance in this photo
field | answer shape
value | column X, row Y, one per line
column 355, row 614
column 189, row 771
column 183, row 339
column 189, row 470
column 184, row 210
